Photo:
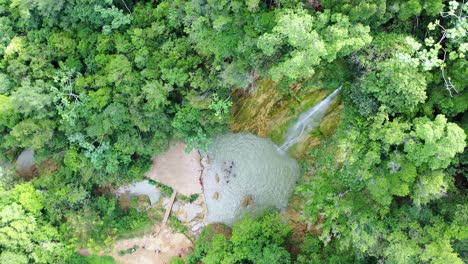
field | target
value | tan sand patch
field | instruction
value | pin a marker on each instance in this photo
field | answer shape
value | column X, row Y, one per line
column 178, row 170
column 157, row 248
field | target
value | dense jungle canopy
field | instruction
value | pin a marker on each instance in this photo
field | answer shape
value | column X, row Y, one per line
column 96, row 88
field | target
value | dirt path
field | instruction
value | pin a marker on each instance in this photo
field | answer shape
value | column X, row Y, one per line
column 157, row 248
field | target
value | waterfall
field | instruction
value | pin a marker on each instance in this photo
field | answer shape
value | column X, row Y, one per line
column 308, row 121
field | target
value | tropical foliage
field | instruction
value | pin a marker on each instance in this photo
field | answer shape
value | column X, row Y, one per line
column 98, row 87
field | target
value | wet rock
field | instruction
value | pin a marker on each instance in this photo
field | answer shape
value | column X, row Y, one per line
column 25, row 164
column 254, row 115
column 262, row 114
column 143, row 202
column 189, row 211
column 303, row 147
column 247, row 201
column 330, row 122
column 124, row 202
column 197, row 227
column 327, row 127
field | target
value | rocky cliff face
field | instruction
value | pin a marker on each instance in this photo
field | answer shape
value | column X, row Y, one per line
column 267, row 113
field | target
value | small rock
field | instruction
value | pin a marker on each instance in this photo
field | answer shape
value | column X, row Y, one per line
column 216, row 195
column 175, row 206
column 247, row 201
column 197, row 227
column 190, row 212
column 143, row 202
column 25, row 164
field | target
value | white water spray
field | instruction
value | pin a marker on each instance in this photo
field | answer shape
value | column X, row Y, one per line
column 308, row 121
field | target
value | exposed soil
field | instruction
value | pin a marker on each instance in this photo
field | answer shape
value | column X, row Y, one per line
column 300, row 227
column 178, row 170
column 157, row 248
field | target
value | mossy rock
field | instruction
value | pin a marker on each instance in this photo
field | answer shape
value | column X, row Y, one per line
column 156, row 213
column 247, row 201
column 334, row 104
column 210, row 230
column 301, row 148
column 143, row 202
column 125, row 202
column 327, row 127
column 312, row 99
column 285, row 118
column 250, row 111
column 330, row 122
column 277, row 135
column 265, row 113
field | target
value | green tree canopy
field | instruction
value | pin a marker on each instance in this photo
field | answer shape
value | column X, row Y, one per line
column 25, row 236
column 257, row 241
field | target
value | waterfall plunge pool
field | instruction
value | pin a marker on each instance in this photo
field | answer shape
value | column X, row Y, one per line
column 244, row 173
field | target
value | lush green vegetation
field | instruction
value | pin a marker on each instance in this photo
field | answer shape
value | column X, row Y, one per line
column 251, row 241
column 77, row 259
column 97, row 87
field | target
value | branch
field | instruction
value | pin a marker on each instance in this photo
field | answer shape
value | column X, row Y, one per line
column 128, row 9
column 448, row 83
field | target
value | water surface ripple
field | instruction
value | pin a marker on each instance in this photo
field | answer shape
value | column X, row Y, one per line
column 246, row 173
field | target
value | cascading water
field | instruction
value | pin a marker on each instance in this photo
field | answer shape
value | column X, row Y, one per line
column 245, row 173
column 308, row 121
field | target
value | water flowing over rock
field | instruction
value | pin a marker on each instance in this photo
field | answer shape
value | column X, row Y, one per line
column 246, row 173
column 307, row 121
column 25, row 163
